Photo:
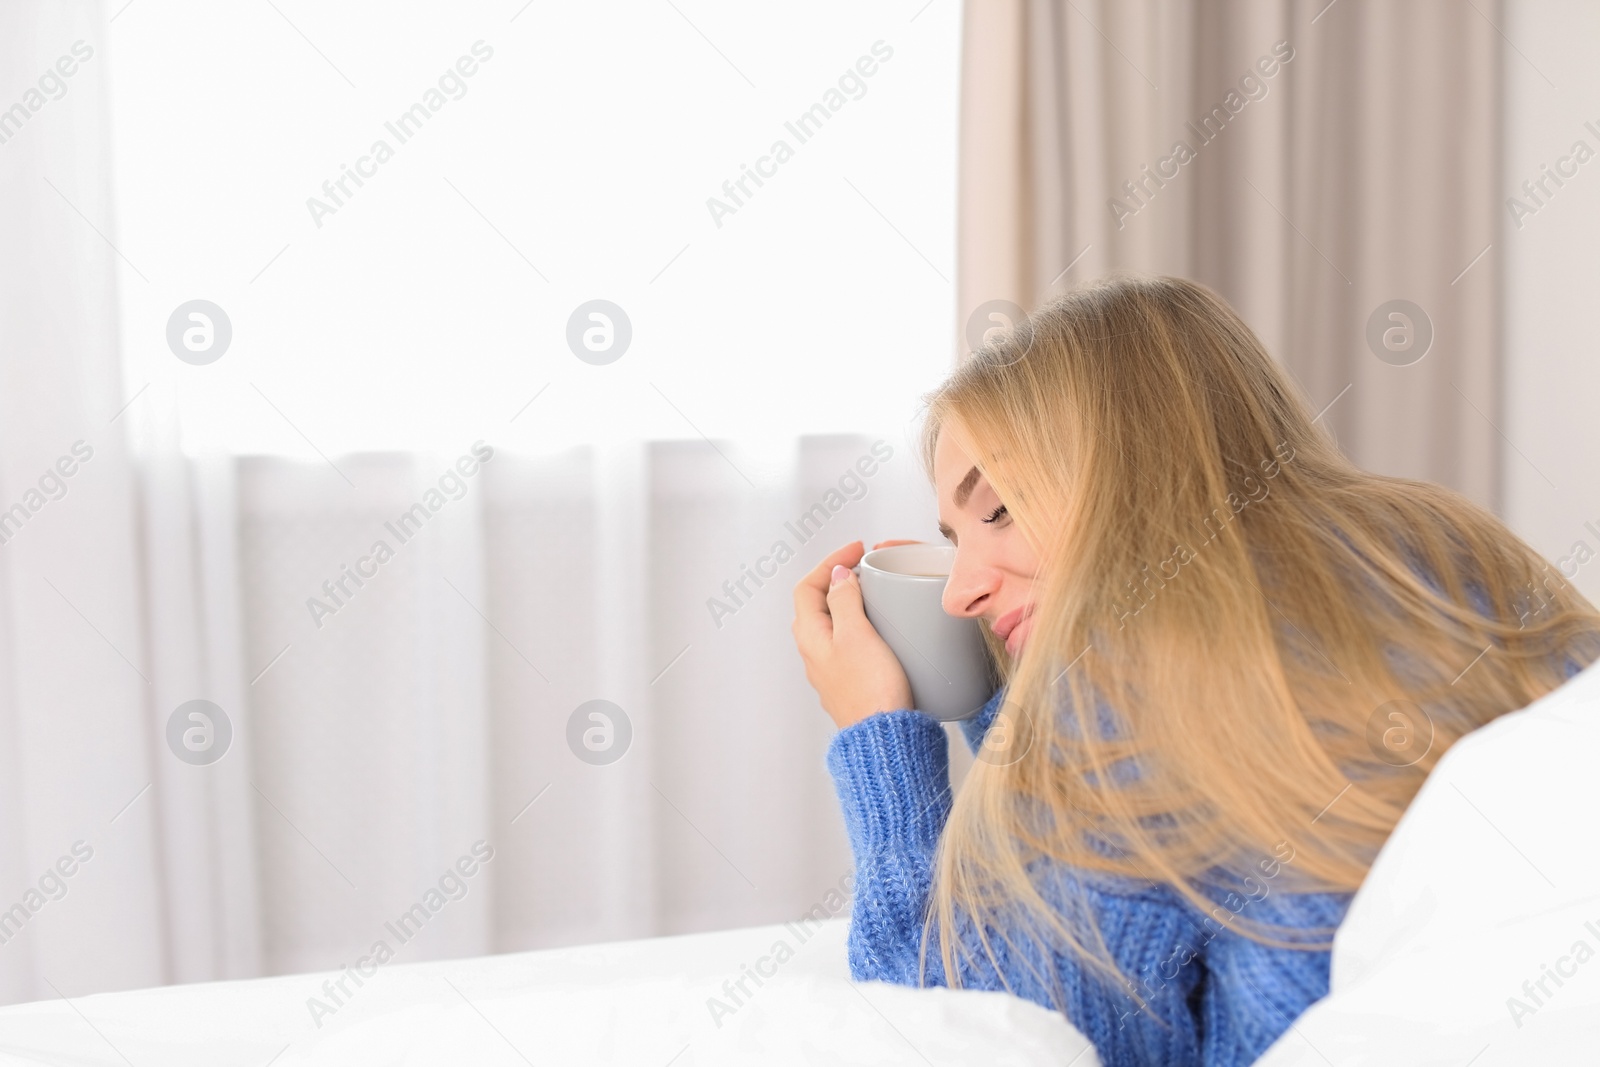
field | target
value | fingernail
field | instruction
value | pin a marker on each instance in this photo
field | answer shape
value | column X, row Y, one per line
column 839, row 571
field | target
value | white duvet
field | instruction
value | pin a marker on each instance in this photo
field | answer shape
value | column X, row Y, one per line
column 647, row 1003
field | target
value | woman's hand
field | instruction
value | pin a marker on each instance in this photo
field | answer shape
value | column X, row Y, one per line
column 847, row 662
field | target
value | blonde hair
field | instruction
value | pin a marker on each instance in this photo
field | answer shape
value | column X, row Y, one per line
column 1235, row 651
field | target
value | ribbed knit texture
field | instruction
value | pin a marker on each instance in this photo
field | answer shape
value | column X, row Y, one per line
column 1213, row 997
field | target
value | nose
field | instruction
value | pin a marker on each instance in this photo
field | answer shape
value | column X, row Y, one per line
column 970, row 588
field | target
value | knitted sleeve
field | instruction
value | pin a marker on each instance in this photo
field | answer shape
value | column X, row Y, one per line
column 891, row 773
column 1254, row 991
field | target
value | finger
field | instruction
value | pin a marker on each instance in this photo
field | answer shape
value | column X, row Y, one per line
column 811, row 592
column 845, row 605
column 886, row 544
column 813, row 624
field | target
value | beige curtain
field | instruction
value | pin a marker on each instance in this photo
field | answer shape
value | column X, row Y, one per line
column 1354, row 164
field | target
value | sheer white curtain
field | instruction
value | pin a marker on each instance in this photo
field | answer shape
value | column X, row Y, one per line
column 432, row 709
column 376, row 740
column 77, row 755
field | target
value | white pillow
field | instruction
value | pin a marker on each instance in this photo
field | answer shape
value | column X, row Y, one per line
column 1476, row 935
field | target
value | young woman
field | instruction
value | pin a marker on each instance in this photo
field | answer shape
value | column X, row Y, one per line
column 1229, row 659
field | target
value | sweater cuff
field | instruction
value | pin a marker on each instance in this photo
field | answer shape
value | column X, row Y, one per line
column 891, row 771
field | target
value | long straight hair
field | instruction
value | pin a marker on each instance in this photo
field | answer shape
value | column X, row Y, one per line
column 1246, row 653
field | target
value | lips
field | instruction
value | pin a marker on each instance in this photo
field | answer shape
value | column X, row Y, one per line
column 1006, row 623
column 1019, row 634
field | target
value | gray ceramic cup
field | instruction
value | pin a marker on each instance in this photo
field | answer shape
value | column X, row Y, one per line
column 944, row 657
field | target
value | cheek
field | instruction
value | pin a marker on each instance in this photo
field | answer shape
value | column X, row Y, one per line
column 1018, row 555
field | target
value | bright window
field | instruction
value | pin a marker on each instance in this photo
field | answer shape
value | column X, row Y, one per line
column 427, row 304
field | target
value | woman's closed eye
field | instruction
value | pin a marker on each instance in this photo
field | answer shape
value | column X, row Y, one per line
column 996, row 513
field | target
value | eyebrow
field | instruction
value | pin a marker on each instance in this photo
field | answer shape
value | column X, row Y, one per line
column 963, row 493
column 965, row 487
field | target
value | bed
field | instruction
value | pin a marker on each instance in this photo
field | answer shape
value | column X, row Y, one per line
column 688, row 1001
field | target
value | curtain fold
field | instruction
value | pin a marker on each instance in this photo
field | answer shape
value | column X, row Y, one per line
column 77, row 756
column 188, row 580
column 1359, row 171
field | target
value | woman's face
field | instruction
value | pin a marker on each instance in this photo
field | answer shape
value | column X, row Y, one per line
column 995, row 567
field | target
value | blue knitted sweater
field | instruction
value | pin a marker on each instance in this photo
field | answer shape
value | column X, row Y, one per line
column 1213, row 996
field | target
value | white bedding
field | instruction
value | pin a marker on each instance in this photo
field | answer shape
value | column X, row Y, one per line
column 634, row 1002
column 1492, row 875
